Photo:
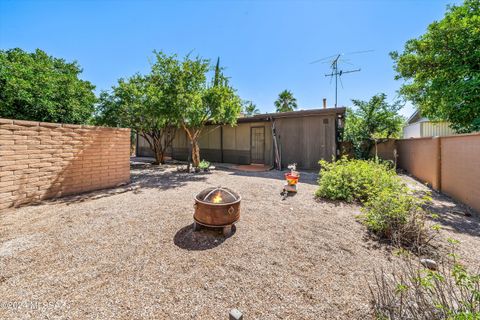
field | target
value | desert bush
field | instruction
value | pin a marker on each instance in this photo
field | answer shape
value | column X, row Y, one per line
column 413, row 292
column 399, row 216
column 355, row 180
column 390, row 209
column 204, row 165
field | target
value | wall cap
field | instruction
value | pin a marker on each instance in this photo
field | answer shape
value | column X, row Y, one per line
column 55, row 125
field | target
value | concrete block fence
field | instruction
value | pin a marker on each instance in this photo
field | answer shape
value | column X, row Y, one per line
column 449, row 164
column 41, row 160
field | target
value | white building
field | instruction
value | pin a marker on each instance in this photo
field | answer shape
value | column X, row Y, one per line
column 419, row 127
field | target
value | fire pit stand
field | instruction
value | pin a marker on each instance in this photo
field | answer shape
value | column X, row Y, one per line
column 217, row 207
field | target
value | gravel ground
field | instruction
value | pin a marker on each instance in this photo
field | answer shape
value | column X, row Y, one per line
column 130, row 253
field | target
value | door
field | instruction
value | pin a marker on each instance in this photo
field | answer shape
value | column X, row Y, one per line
column 257, row 145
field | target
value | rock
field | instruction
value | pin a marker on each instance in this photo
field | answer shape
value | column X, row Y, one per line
column 428, row 263
column 235, row 314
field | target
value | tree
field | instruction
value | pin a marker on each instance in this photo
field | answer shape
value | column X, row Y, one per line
column 201, row 103
column 372, row 120
column 146, row 104
column 250, row 109
column 442, row 68
column 36, row 86
column 286, row 102
column 175, row 94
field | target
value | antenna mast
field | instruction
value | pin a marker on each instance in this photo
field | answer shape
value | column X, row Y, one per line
column 334, row 66
column 335, row 72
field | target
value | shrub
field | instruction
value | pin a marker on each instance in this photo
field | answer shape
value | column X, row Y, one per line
column 355, row 180
column 412, row 292
column 204, row 165
column 390, row 210
column 398, row 216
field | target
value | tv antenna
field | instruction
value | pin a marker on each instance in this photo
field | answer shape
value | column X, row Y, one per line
column 335, row 71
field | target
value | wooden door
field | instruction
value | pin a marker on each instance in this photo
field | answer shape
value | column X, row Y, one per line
column 257, row 145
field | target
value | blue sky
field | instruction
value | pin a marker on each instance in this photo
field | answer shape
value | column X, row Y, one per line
column 266, row 46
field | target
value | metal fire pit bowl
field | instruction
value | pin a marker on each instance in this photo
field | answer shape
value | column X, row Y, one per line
column 211, row 212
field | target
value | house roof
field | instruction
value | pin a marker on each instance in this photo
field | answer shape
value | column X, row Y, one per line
column 292, row 114
column 415, row 117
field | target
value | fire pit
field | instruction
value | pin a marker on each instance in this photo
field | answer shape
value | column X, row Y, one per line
column 217, row 207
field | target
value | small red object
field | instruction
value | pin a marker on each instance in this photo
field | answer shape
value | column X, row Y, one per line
column 291, row 178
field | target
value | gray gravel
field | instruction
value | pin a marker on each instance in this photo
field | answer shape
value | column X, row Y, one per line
column 131, row 253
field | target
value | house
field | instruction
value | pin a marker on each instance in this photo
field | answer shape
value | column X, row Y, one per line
column 274, row 139
column 419, row 127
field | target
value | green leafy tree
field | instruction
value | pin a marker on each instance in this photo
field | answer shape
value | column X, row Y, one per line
column 146, row 104
column 442, row 68
column 175, row 94
column 217, row 103
column 36, row 86
column 250, row 109
column 372, row 120
column 286, row 102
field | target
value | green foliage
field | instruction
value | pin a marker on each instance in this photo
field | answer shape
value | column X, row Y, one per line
column 175, row 93
column 146, row 104
column 370, row 120
column 250, row 109
column 442, row 70
column 204, row 165
column 355, row 180
column 200, row 103
column 390, row 210
column 38, row 87
column 397, row 215
column 286, row 102
column 413, row 292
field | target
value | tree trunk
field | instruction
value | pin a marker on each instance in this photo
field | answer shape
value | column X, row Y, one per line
column 193, row 135
column 195, row 153
column 159, row 140
column 159, row 157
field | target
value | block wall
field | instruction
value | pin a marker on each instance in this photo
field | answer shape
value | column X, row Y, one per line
column 46, row 160
column 421, row 158
column 449, row 164
column 460, row 168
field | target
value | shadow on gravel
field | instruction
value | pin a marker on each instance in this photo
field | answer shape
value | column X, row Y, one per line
column 91, row 195
column 305, row 177
column 456, row 217
column 158, row 177
column 452, row 214
column 204, row 239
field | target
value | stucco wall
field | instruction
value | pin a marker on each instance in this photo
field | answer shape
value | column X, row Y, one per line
column 420, row 158
column 450, row 164
column 460, row 168
column 385, row 150
column 46, row 160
